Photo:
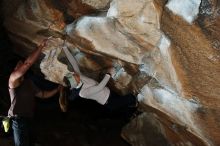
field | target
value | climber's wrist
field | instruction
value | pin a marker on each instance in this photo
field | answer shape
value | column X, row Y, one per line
column 109, row 74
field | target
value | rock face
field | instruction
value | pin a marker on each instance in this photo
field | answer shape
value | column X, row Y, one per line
column 168, row 53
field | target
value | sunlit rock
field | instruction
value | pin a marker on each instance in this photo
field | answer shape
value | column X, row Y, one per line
column 187, row 9
column 170, row 62
column 50, row 66
column 99, row 31
column 165, row 99
column 192, row 47
column 98, row 4
column 141, row 19
column 133, row 33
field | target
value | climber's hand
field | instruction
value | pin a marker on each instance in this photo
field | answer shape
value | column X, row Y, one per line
column 44, row 43
column 112, row 71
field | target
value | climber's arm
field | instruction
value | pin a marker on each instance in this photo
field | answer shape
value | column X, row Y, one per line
column 72, row 60
column 22, row 68
column 48, row 93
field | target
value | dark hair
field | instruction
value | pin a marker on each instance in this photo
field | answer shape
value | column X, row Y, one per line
column 66, row 81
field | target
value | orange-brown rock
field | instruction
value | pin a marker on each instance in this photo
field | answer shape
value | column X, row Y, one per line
column 168, row 53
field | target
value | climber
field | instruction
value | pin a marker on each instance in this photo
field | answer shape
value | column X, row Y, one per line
column 22, row 92
column 85, row 87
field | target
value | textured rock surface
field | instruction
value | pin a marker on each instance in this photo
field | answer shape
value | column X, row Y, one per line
column 168, row 52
